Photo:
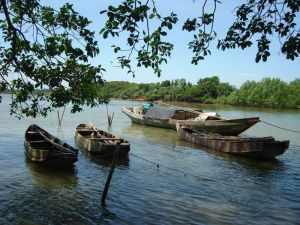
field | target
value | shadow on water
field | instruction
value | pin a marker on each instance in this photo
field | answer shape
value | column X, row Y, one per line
column 122, row 161
column 52, row 175
column 256, row 164
column 106, row 215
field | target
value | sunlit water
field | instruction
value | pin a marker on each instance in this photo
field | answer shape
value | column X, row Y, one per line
column 186, row 185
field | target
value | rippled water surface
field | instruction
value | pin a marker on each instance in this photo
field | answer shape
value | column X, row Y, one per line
column 186, row 185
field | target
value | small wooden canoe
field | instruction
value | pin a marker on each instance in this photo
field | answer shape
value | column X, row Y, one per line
column 99, row 142
column 262, row 147
column 219, row 125
column 41, row 146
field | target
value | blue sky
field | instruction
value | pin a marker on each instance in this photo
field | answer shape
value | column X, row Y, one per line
column 232, row 66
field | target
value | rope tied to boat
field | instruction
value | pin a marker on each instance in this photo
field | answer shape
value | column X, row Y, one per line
column 295, row 131
column 185, row 173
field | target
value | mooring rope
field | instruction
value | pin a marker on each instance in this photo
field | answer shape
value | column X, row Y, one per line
column 201, row 178
column 296, row 131
column 185, row 173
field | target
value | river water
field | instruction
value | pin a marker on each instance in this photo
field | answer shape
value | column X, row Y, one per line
column 164, row 180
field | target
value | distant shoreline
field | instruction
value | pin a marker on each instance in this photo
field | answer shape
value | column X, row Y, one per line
column 131, row 99
column 181, row 102
column 208, row 104
column 176, row 102
column 144, row 100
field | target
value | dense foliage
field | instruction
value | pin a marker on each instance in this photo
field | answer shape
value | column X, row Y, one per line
column 42, row 47
column 146, row 30
column 266, row 93
column 46, row 47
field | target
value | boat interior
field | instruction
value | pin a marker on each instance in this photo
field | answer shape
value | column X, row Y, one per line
column 100, row 135
column 179, row 114
column 38, row 141
column 216, row 136
column 184, row 115
column 88, row 133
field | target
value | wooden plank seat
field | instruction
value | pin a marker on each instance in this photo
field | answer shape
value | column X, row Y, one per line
column 99, row 142
column 86, row 131
column 35, row 132
column 38, row 141
column 106, row 139
column 82, row 129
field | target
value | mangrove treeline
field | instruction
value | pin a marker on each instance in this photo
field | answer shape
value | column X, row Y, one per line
column 269, row 92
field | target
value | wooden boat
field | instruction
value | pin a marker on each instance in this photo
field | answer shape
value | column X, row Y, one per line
column 99, row 142
column 262, row 147
column 214, row 124
column 41, row 146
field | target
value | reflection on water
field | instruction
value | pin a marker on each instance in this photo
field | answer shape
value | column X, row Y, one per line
column 152, row 133
column 122, row 160
column 251, row 163
column 52, row 175
column 237, row 190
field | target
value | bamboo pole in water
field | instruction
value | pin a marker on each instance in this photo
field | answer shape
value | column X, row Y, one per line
column 109, row 117
column 60, row 118
column 115, row 160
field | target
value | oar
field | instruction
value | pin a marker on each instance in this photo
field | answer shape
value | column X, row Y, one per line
column 114, row 139
column 101, row 138
column 52, row 142
column 185, row 109
column 95, row 129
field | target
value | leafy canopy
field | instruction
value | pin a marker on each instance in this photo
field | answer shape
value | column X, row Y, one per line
column 41, row 46
column 257, row 21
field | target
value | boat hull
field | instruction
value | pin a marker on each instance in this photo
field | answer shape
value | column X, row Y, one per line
column 96, row 147
column 265, row 147
column 225, row 127
column 42, row 147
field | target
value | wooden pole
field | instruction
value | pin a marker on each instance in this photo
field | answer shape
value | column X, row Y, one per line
column 115, row 160
column 185, row 109
column 109, row 117
column 60, row 118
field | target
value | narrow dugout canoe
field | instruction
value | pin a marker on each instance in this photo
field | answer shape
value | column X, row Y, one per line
column 215, row 124
column 43, row 147
column 99, row 142
column 262, row 147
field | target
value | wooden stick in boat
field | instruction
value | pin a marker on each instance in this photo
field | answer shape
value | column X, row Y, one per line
column 106, row 139
column 97, row 134
column 185, row 109
column 53, row 142
column 34, row 132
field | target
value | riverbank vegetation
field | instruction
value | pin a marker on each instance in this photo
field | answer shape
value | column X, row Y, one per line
column 269, row 92
column 51, row 47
